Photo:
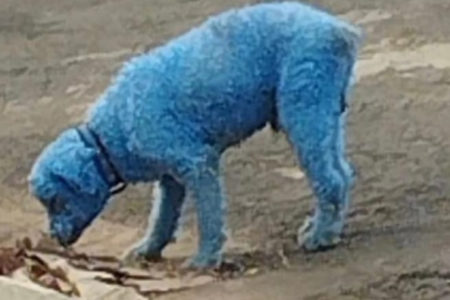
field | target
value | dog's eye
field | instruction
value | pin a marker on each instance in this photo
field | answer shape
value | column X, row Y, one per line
column 57, row 205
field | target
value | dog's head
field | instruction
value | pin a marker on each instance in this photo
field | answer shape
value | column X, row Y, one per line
column 67, row 181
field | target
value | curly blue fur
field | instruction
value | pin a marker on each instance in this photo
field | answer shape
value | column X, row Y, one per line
column 171, row 113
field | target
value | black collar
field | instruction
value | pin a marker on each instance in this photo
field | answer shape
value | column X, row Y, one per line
column 91, row 139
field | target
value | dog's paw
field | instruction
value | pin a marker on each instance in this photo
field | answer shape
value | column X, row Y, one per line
column 141, row 253
column 314, row 237
column 201, row 263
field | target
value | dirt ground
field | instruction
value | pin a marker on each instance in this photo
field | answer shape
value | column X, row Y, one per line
column 57, row 56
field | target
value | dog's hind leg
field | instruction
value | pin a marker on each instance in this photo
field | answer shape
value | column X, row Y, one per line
column 168, row 200
column 311, row 107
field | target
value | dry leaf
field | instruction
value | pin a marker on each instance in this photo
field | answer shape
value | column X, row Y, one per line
column 10, row 260
column 41, row 273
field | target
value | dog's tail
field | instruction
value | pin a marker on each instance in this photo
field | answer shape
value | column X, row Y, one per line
column 353, row 37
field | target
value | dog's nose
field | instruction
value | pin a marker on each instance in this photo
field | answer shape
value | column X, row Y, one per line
column 63, row 233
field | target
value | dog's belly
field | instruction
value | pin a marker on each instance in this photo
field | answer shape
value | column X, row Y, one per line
column 230, row 125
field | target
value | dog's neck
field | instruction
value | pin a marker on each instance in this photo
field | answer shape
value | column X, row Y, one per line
column 106, row 166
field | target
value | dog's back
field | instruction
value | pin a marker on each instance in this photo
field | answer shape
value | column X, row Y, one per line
column 221, row 78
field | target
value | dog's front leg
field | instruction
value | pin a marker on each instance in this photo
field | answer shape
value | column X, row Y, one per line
column 204, row 183
column 168, row 199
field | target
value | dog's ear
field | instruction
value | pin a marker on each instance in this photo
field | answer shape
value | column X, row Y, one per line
column 71, row 182
column 78, row 172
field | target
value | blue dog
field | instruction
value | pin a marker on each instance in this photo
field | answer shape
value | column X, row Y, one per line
column 172, row 112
